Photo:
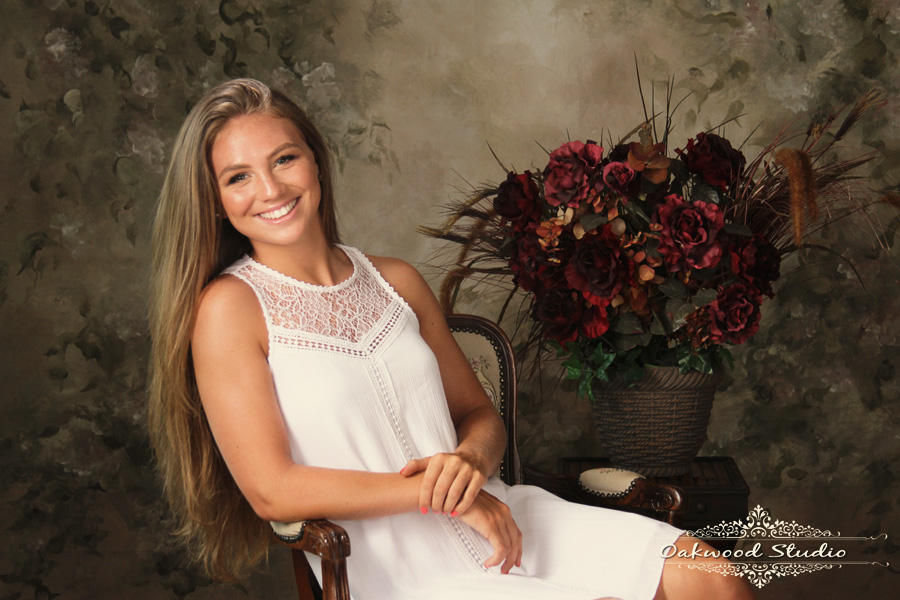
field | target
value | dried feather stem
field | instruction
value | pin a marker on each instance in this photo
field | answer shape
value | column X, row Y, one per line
column 455, row 277
column 802, row 187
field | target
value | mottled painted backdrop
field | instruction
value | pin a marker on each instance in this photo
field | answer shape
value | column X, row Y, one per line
column 410, row 93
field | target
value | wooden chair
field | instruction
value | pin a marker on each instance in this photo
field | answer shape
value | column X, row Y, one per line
column 490, row 353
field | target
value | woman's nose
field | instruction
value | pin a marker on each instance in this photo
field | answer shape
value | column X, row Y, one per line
column 270, row 185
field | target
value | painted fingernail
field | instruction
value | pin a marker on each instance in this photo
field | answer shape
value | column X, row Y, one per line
column 424, row 510
column 454, row 513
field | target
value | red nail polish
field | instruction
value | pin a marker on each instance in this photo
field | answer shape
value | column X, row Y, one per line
column 424, row 510
column 454, row 513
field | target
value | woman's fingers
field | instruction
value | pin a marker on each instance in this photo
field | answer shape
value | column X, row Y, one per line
column 414, row 466
column 493, row 520
column 450, row 484
column 471, row 492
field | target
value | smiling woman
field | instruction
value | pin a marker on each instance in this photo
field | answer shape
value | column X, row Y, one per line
column 296, row 378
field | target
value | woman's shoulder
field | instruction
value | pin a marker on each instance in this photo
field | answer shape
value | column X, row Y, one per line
column 228, row 303
column 408, row 283
column 401, row 275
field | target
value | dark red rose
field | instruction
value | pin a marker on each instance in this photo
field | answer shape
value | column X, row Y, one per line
column 594, row 322
column 597, row 268
column 713, row 158
column 619, row 153
column 569, row 176
column 561, row 312
column 621, row 178
column 756, row 262
column 690, row 231
column 523, row 259
column 734, row 315
column 517, row 198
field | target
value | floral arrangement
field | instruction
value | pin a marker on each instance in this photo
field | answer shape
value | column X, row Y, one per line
column 634, row 256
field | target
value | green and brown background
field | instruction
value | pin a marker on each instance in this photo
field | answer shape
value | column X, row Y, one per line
column 409, row 93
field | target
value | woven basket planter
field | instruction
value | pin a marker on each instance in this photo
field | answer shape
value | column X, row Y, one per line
column 657, row 426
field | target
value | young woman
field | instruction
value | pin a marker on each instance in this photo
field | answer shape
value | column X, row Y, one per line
column 295, row 378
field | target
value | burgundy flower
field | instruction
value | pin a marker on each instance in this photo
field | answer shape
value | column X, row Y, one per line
column 713, row 158
column 619, row 153
column 621, row 178
column 597, row 268
column 569, row 176
column 594, row 322
column 756, row 262
column 523, row 260
column 690, row 231
column 517, row 199
column 561, row 312
column 734, row 315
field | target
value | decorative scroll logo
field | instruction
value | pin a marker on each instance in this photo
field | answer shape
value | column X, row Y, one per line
column 772, row 548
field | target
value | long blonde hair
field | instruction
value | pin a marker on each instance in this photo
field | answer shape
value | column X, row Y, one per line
column 191, row 245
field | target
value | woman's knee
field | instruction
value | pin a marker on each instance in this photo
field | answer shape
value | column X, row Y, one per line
column 695, row 569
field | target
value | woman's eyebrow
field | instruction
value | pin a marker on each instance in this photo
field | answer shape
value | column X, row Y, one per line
column 272, row 154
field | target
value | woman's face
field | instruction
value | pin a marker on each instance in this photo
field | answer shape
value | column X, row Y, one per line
column 268, row 181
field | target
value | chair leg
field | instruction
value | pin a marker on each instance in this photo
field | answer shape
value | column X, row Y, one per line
column 302, row 573
column 334, row 579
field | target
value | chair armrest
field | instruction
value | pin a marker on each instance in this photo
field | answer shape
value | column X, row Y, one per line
column 320, row 537
column 642, row 494
column 326, row 540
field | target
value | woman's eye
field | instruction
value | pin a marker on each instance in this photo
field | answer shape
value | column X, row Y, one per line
column 285, row 159
column 237, row 178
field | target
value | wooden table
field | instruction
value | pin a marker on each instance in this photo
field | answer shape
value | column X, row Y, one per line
column 714, row 488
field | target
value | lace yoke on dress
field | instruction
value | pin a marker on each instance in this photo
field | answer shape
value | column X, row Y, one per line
column 351, row 317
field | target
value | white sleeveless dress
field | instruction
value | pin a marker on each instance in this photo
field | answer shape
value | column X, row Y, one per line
column 360, row 389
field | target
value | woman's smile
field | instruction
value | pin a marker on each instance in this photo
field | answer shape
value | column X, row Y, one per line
column 277, row 213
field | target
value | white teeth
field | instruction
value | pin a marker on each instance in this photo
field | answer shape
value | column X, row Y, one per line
column 280, row 212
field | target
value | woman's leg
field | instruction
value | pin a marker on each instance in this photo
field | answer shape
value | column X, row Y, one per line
column 680, row 582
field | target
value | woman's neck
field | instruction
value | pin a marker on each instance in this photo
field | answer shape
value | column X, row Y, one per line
column 313, row 261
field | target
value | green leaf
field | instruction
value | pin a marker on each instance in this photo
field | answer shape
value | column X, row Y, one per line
column 601, row 359
column 678, row 311
column 673, row 288
column 704, row 192
column 679, row 170
column 585, row 389
column 574, row 367
column 625, row 343
column 704, row 297
column 560, row 350
column 738, row 229
column 724, row 357
column 657, row 328
column 627, row 323
column 592, row 222
column 637, row 210
column 704, row 275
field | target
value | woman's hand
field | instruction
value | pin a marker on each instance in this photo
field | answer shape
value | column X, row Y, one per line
column 493, row 520
column 451, row 481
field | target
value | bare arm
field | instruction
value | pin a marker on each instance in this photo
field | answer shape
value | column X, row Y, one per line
column 229, row 348
column 229, row 354
column 451, row 480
